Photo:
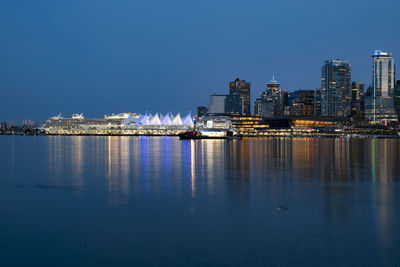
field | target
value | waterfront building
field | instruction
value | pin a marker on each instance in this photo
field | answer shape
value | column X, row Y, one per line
column 145, row 120
column 357, row 101
column 317, row 103
column 217, row 104
column 132, row 125
column 336, row 88
column 177, row 120
column 272, row 101
column 243, row 89
column 301, row 103
column 234, row 104
column 380, row 102
column 155, row 120
column 166, row 120
column 188, row 120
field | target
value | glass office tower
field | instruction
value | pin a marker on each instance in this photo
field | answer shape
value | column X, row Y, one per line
column 380, row 104
column 243, row 89
column 336, row 88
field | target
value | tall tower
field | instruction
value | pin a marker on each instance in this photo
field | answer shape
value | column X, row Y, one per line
column 243, row 89
column 380, row 105
column 336, row 88
column 357, row 101
column 397, row 98
column 383, row 74
column 272, row 101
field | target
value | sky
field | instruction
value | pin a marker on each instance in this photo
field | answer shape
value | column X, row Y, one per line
column 100, row 56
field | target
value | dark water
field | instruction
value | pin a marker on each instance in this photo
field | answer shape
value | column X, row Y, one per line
column 129, row 201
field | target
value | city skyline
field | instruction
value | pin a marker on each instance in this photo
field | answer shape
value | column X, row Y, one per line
column 112, row 58
column 251, row 92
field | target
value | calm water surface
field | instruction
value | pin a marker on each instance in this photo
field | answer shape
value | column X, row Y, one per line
column 128, row 201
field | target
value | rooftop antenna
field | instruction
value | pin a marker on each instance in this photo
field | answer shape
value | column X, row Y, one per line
column 273, row 76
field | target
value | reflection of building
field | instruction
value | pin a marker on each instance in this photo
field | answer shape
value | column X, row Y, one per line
column 380, row 104
column 336, row 88
column 301, row 103
column 272, row 101
column 357, row 101
column 217, row 104
column 237, row 168
column 243, row 89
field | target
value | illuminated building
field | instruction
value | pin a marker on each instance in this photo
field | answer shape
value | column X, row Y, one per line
column 357, row 101
column 301, row 103
column 317, row 104
column 336, row 88
column 133, row 124
column 243, row 89
column 272, row 101
column 397, row 98
column 234, row 104
column 217, row 104
column 380, row 102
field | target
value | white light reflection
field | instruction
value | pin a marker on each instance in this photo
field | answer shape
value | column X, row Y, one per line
column 193, row 166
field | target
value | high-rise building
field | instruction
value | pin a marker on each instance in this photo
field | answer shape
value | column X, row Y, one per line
column 357, row 101
column 243, row 89
column 380, row 103
column 272, row 101
column 317, row 105
column 397, row 98
column 217, row 104
column 301, row 103
column 234, row 104
column 336, row 88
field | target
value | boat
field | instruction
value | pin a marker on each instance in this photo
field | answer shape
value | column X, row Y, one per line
column 209, row 134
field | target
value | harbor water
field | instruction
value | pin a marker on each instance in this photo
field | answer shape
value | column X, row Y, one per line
column 132, row 201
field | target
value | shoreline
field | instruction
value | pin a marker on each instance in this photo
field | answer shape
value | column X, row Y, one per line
column 244, row 136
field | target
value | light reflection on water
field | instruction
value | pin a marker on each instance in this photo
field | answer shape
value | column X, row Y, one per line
column 334, row 189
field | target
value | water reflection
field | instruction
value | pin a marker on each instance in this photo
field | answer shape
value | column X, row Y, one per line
column 66, row 154
column 319, row 169
column 156, row 196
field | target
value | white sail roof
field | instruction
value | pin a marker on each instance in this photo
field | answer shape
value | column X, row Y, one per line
column 177, row 120
column 155, row 120
column 188, row 120
column 145, row 120
column 166, row 120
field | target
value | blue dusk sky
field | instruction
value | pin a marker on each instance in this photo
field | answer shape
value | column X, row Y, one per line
column 101, row 56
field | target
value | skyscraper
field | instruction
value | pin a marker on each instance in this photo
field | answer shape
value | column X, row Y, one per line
column 317, row 105
column 357, row 101
column 234, row 104
column 380, row 103
column 217, row 104
column 302, row 103
column 243, row 89
column 397, row 98
column 336, row 88
column 271, row 103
